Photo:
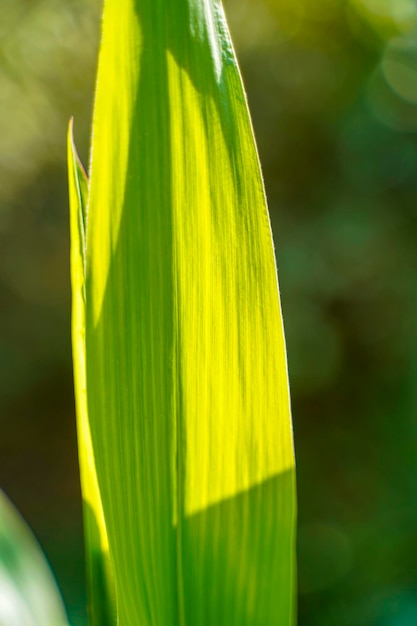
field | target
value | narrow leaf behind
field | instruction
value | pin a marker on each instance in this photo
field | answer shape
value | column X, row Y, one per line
column 99, row 570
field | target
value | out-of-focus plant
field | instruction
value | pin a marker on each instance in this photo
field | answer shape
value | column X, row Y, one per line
column 185, row 441
column 28, row 594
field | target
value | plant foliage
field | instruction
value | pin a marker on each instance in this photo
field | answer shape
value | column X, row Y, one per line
column 182, row 396
column 28, row 593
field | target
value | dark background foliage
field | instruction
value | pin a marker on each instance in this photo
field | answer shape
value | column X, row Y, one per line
column 332, row 86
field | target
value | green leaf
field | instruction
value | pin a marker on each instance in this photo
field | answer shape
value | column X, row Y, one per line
column 28, row 592
column 183, row 406
column 99, row 570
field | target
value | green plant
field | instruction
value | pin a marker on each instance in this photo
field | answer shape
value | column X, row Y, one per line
column 183, row 415
column 28, row 594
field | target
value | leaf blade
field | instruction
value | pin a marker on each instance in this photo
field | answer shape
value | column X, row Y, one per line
column 99, row 568
column 188, row 402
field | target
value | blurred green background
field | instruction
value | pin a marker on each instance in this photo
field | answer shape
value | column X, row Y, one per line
column 332, row 87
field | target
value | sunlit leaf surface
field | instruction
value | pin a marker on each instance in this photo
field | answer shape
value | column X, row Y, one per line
column 28, row 593
column 182, row 393
column 99, row 570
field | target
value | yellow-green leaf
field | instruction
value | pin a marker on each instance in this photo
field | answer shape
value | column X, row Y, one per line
column 101, row 590
column 185, row 426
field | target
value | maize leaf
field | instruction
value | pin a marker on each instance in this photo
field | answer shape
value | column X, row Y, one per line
column 185, row 438
column 100, row 581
